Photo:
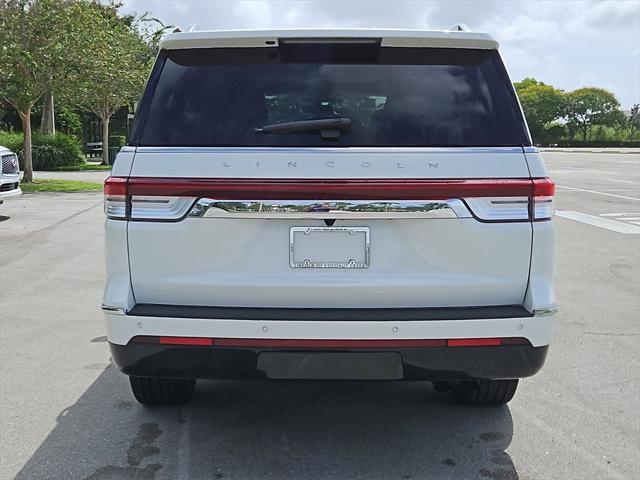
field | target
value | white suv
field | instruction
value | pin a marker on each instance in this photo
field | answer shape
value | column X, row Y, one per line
column 322, row 204
column 10, row 175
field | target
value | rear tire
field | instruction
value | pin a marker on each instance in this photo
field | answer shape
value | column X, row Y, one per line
column 485, row 393
column 162, row 391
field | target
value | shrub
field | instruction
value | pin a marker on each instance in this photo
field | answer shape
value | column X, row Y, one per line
column 11, row 140
column 48, row 151
column 117, row 141
column 598, row 143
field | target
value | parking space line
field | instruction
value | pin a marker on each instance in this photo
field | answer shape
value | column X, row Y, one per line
column 184, row 444
column 622, row 181
column 618, row 214
column 598, row 193
column 600, row 222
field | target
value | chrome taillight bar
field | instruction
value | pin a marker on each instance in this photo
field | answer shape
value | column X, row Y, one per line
column 171, row 199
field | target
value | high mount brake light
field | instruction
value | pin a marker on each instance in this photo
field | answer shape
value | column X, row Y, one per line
column 169, row 199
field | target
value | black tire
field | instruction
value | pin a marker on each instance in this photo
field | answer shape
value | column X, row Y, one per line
column 162, row 391
column 485, row 393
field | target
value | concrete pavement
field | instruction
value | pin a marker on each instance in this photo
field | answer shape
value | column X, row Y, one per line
column 66, row 414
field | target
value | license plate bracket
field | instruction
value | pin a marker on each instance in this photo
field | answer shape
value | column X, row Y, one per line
column 329, row 247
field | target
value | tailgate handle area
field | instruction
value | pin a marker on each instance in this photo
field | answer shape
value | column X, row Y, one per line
column 320, row 209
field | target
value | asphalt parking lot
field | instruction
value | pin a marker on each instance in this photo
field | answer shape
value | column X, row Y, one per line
column 65, row 413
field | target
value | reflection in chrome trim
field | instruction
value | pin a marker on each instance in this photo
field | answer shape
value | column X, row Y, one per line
column 546, row 311
column 114, row 308
column 381, row 209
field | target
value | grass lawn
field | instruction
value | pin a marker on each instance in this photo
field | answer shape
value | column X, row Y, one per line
column 43, row 185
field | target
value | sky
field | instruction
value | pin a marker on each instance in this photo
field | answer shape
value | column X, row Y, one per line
column 568, row 44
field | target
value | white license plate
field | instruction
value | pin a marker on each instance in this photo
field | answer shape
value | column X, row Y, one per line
column 329, row 247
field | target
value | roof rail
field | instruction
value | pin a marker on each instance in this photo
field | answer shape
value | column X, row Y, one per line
column 193, row 28
column 460, row 27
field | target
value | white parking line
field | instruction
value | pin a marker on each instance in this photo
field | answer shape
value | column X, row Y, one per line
column 624, row 217
column 622, row 181
column 598, row 193
column 619, row 214
column 600, row 222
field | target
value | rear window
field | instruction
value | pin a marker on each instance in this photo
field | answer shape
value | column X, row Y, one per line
column 392, row 96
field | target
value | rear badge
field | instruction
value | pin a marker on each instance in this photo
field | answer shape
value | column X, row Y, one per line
column 329, row 247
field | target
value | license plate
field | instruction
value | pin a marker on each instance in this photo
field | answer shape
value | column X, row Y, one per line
column 329, row 247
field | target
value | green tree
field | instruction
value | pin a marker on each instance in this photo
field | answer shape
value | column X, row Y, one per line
column 542, row 104
column 33, row 56
column 591, row 106
column 116, row 64
column 631, row 124
column 526, row 82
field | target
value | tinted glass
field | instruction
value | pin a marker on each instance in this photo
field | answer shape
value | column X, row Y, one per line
column 393, row 96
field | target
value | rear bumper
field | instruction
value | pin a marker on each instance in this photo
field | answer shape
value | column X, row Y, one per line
column 436, row 363
column 409, row 344
column 337, row 324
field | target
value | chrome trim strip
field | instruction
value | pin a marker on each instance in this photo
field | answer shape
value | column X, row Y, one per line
column 114, row 309
column 324, row 150
column 320, row 209
column 546, row 311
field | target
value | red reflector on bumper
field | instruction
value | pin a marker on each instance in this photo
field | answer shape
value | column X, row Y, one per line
column 185, row 341
column 336, row 343
column 473, row 342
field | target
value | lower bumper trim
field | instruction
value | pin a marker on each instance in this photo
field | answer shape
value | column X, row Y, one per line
column 433, row 363
column 330, row 314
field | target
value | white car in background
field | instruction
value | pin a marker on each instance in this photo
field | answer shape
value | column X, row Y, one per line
column 10, row 176
column 323, row 204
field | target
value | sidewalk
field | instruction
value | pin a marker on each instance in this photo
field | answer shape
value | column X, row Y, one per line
column 97, row 176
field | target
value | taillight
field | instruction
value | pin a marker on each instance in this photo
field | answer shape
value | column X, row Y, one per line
column 120, row 204
column 544, row 190
column 535, row 203
column 171, row 199
column 159, row 208
column 115, row 198
column 500, row 209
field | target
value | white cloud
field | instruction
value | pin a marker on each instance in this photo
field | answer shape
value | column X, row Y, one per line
column 589, row 79
column 599, row 16
column 558, row 42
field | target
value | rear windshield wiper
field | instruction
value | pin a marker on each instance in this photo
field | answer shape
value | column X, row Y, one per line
column 328, row 127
